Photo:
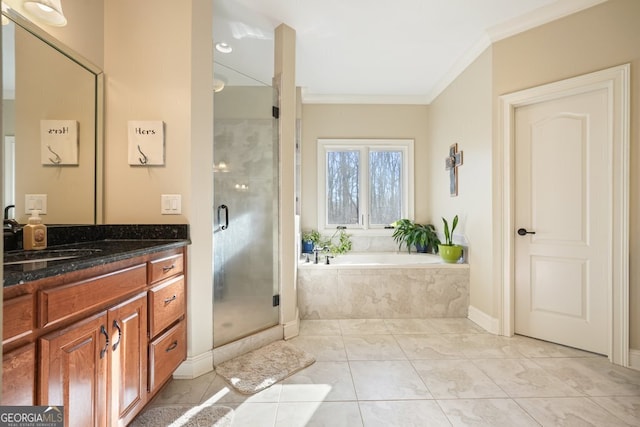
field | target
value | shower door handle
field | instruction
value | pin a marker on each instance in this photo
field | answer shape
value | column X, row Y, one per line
column 226, row 217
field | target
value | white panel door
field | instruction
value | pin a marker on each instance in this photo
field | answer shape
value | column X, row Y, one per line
column 563, row 154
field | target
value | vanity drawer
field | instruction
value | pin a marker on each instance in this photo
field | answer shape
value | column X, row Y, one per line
column 18, row 318
column 166, row 353
column 167, row 304
column 160, row 269
column 58, row 304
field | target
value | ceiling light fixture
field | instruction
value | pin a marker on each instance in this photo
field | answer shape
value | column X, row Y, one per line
column 223, row 47
column 48, row 12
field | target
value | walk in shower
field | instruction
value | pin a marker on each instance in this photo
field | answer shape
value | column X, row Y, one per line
column 246, row 235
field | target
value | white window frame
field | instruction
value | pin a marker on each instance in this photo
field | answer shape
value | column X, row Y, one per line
column 364, row 145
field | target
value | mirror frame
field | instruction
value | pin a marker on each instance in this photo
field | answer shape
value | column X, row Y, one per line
column 17, row 19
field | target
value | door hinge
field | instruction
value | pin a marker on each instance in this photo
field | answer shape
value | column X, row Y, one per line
column 275, row 112
column 276, row 300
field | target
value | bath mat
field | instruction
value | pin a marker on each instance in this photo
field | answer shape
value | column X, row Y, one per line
column 185, row 416
column 261, row 368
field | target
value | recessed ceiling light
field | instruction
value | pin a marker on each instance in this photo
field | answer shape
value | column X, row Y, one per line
column 223, row 47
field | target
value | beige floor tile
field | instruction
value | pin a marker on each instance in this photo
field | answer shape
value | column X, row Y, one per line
column 486, row 412
column 429, row 347
column 627, row 408
column 424, row 372
column 324, row 348
column 387, row 380
column 184, row 391
column 363, row 326
column 456, row 379
column 319, row 327
column 410, row 326
column 318, row 414
column 523, row 378
column 254, row 414
column 403, row 413
column 594, row 376
column 456, row 326
column 569, row 411
column 373, row 347
column 322, row 381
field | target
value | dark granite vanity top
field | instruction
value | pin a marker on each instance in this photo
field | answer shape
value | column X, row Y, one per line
column 93, row 245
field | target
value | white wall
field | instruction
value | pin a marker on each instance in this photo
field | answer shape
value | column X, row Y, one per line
column 156, row 74
column 462, row 115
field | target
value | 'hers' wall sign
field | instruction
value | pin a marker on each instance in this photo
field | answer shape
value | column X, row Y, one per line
column 58, row 142
column 146, row 143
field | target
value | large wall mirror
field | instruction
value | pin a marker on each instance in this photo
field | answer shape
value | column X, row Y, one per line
column 44, row 84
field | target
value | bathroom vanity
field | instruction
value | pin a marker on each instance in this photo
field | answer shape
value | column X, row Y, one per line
column 97, row 325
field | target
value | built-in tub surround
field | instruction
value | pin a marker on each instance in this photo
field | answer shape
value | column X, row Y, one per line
column 383, row 286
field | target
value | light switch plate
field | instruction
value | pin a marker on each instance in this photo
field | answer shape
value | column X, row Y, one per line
column 35, row 201
column 171, row 204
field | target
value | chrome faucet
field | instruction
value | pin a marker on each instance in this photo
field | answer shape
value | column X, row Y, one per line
column 10, row 224
column 316, row 251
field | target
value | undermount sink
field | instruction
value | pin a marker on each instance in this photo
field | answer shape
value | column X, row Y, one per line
column 26, row 257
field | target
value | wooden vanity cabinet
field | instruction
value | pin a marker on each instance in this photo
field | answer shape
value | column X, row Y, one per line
column 97, row 354
column 167, row 324
column 74, row 369
column 19, row 376
column 18, row 363
column 128, row 359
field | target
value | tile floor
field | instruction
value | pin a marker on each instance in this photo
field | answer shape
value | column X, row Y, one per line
column 428, row 372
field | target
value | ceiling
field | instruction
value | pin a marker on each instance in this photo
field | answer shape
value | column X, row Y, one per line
column 373, row 51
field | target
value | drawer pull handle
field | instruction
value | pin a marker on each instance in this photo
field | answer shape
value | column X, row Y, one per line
column 168, row 300
column 172, row 346
column 167, row 269
column 115, row 325
column 103, row 331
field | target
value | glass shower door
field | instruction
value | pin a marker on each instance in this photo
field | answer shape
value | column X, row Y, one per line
column 245, row 237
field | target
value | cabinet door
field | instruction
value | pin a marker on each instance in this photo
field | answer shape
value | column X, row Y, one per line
column 18, row 376
column 73, row 371
column 128, row 366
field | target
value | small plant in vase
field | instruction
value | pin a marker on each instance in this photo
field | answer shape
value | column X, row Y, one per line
column 310, row 239
column 449, row 252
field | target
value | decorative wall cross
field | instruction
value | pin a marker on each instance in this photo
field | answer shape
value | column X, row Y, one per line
column 452, row 162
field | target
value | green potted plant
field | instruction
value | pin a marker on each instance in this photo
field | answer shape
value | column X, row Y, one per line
column 422, row 236
column 309, row 240
column 449, row 252
column 342, row 246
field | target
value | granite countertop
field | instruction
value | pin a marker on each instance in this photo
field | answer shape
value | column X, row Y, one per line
column 109, row 243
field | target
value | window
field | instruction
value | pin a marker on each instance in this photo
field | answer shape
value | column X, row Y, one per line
column 364, row 184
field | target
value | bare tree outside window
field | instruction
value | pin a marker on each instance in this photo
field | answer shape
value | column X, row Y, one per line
column 385, row 186
column 343, row 168
column 364, row 184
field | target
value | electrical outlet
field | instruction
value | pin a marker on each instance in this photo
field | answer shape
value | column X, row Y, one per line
column 171, row 204
column 35, row 202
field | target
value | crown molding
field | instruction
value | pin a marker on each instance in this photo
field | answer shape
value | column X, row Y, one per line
column 538, row 17
column 311, row 98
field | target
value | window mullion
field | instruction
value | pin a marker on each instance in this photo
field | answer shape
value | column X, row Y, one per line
column 364, row 186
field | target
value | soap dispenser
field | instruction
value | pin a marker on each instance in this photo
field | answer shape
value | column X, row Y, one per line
column 34, row 233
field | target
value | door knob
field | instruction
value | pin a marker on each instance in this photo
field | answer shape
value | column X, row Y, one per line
column 524, row 232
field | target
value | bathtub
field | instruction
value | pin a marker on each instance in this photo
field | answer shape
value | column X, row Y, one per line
column 382, row 285
column 382, row 259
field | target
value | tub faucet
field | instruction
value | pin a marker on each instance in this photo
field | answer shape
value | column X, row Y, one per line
column 316, row 251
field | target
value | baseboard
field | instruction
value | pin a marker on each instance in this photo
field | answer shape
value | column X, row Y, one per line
column 195, row 366
column 292, row 329
column 634, row 359
column 482, row 319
